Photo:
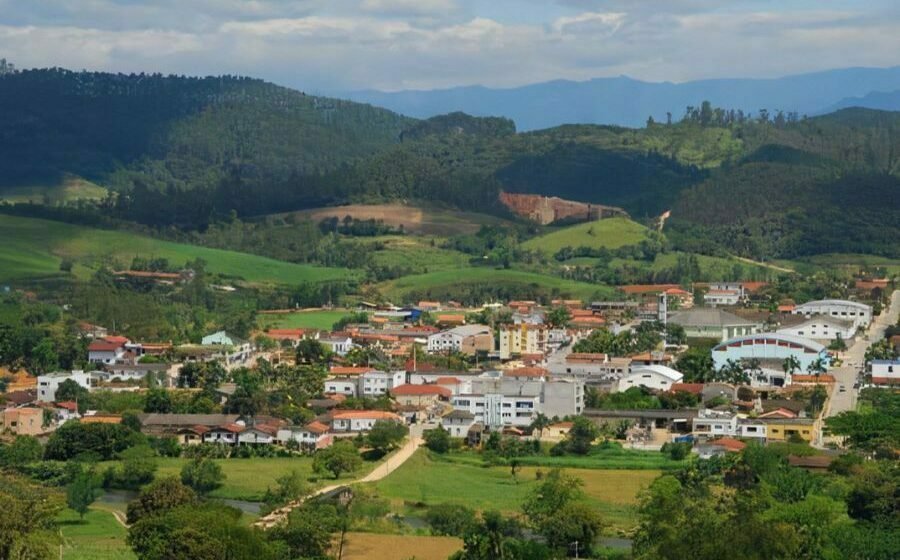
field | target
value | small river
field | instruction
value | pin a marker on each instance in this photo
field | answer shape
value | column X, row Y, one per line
column 122, row 497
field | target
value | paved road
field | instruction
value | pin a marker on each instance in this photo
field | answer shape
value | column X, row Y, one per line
column 853, row 360
column 390, row 464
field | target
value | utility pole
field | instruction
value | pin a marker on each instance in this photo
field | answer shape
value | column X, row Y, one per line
column 576, row 549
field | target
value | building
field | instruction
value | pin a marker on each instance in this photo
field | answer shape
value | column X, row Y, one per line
column 260, row 434
column 159, row 424
column 359, row 420
column 859, row 313
column 785, row 429
column 420, row 395
column 164, row 374
column 656, row 377
column 714, row 423
column 823, row 328
column 337, row 343
column 885, row 372
column 707, row 322
column 49, row 383
column 496, row 410
column 377, row 383
column 22, row 421
column 311, row 437
column 719, row 447
column 523, row 338
column 238, row 349
column 226, row 434
column 108, row 350
column 592, row 368
column 458, row 422
column 771, row 347
column 467, row 339
column 348, row 386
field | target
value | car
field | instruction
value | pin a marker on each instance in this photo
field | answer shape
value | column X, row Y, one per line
column 842, row 389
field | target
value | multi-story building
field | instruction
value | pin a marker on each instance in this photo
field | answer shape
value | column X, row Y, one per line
column 495, row 410
column 658, row 377
column 49, row 383
column 523, row 338
column 859, row 313
column 713, row 423
column 708, row 322
column 378, row 383
column 822, row 328
column 591, row 368
column 773, row 347
column 468, row 339
column 885, row 372
column 359, row 420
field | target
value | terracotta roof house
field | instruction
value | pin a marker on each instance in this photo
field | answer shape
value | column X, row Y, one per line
column 730, row 444
column 693, row 388
column 526, row 372
column 359, row 420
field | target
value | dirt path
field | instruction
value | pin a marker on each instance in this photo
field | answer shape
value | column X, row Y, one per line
column 766, row 265
column 392, row 463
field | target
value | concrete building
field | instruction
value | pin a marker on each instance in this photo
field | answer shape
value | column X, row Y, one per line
column 378, row 383
column 706, row 322
column 49, row 383
column 420, row 395
column 523, row 338
column 22, row 421
column 311, row 437
column 467, row 339
column 514, row 399
column 822, row 328
column 495, row 410
column 859, row 313
column 238, row 350
column 885, row 372
column 337, row 344
column 458, row 422
column 348, row 386
column 713, row 423
column 359, row 420
column 771, row 347
column 591, row 368
column 657, row 377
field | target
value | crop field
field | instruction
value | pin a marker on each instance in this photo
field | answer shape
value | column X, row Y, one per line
column 423, row 480
column 435, row 282
column 422, row 220
column 370, row 546
column 308, row 319
column 33, row 247
column 98, row 537
column 611, row 233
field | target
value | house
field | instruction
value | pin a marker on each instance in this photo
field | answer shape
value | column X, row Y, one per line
column 707, row 322
column 719, row 447
column 238, row 352
column 15, row 399
column 348, row 386
column 714, row 423
column 49, row 383
column 22, row 421
column 812, row 463
column 107, row 350
column 858, row 313
column 593, row 368
column 226, row 434
column 429, row 306
column 524, row 338
column 359, row 420
column 822, row 328
column 338, row 344
column 652, row 358
column 467, row 339
column 101, row 419
column 259, row 434
column 556, row 432
column 92, row 331
column 377, row 383
column 458, row 423
column 420, row 395
column 311, row 437
column 784, row 429
column 679, row 299
column 495, row 410
column 450, row 319
column 291, row 337
column 159, row 424
column 657, row 377
column 885, row 372
column 775, row 348
column 164, row 374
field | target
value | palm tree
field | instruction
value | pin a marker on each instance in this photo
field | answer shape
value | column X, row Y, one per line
column 816, row 368
column 540, row 423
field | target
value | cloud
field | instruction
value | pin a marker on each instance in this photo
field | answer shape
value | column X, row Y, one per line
column 409, row 7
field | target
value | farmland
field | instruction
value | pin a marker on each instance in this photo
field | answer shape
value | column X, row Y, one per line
column 369, row 546
column 98, row 537
column 610, row 233
column 35, row 248
column 321, row 319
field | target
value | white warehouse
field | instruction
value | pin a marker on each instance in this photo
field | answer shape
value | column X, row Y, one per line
column 859, row 313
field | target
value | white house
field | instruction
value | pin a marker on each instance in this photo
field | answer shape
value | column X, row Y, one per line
column 713, row 423
column 458, row 422
column 378, row 383
column 258, row 435
column 227, row 434
column 238, row 349
column 822, row 328
column 655, row 377
column 859, row 313
column 108, row 350
column 590, row 367
column 885, row 372
column 359, row 420
column 337, row 344
column 348, row 386
column 49, row 383
column 496, row 410
column 751, row 428
column 467, row 339
column 311, row 437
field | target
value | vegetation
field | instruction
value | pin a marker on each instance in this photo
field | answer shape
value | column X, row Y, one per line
column 610, row 233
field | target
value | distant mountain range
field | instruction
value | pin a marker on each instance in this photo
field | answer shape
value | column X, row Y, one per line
column 628, row 102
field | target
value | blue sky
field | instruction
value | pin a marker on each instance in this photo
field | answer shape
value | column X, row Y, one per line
column 333, row 45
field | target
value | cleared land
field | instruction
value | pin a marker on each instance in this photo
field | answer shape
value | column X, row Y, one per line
column 322, row 319
column 35, row 248
column 69, row 189
column 370, row 546
column 429, row 481
column 436, row 282
column 98, row 537
column 414, row 218
column 417, row 254
column 611, row 233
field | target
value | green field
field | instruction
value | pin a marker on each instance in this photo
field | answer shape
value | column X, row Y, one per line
column 611, row 233
column 69, row 189
column 850, row 262
column 434, row 282
column 424, row 479
column 34, row 248
column 321, row 319
column 98, row 537
column 417, row 254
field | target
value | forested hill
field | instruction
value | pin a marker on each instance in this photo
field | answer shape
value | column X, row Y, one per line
column 174, row 131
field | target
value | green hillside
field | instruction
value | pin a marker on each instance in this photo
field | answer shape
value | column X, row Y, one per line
column 610, row 233
column 69, row 189
column 35, row 248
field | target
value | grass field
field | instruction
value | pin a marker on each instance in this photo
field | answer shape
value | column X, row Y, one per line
column 321, row 319
column 416, row 253
column 98, row 537
column 611, row 233
column 425, row 480
column 435, row 282
column 614, row 457
column 370, row 546
column 69, row 189
column 418, row 219
column 33, row 247
column 851, row 262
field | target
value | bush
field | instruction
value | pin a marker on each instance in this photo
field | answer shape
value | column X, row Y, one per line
column 437, row 440
column 23, row 450
column 677, row 451
column 159, row 497
column 449, row 519
column 203, row 475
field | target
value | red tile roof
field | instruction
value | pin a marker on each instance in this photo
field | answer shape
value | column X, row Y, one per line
column 350, row 370
column 421, row 390
column 804, row 378
column 447, row 381
column 779, row 412
column 450, row 318
column 103, row 346
column 316, row 427
column 233, row 428
column 695, row 388
column 730, row 444
column 364, row 414
column 526, row 372
column 286, row 334
column 754, row 286
column 647, row 288
column 886, row 380
column 68, row 405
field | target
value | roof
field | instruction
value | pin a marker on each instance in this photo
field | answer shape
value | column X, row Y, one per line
column 159, row 419
column 821, row 302
column 104, row 346
column 667, row 372
column 651, row 356
column 350, row 370
column 810, row 462
column 447, row 381
column 805, row 378
column 364, row 414
column 695, row 388
column 708, row 317
column 780, row 337
column 68, row 405
column 647, row 288
column 316, row 427
column 421, row 390
column 469, row 330
column 460, row 414
column 729, row 444
column 102, row 419
column 230, row 427
column 820, row 318
column 754, row 286
column 286, row 334
column 526, row 372
column 450, row 318
column 786, row 308
column 587, row 357
column 677, row 292
column 779, row 412
column 19, row 398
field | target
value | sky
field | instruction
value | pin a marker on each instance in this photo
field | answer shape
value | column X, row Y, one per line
column 324, row 46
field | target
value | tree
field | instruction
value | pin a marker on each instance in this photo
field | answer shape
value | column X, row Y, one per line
column 452, row 520
column 790, row 365
column 81, row 492
column 341, row 457
column 558, row 317
column 540, row 423
column 437, row 440
column 696, row 364
column 554, row 509
column 309, row 529
column 838, row 344
column 311, row 351
column 290, row 486
column 573, row 527
column 138, row 466
column 160, row 496
column 102, row 441
column 27, row 520
column 816, row 368
column 385, row 435
column 23, row 450
column 203, row 475
column 70, row 390
column 582, row 435
column 158, row 400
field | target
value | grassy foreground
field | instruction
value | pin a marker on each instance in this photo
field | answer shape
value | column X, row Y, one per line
column 98, row 537
column 33, row 247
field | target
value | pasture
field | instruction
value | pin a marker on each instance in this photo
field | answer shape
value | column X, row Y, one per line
column 610, row 233
column 321, row 319
column 98, row 537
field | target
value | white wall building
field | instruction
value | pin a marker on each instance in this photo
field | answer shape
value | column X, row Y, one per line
column 378, row 383
column 339, row 345
column 822, row 328
column 359, row 420
column 773, row 347
column 49, row 383
column 462, row 339
column 713, row 423
column 495, row 410
column 885, row 372
column 457, row 422
column 859, row 313
column 348, row 386
column 655, row 377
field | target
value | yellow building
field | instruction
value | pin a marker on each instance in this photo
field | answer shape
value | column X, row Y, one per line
column 522, row 339
column 781, row 429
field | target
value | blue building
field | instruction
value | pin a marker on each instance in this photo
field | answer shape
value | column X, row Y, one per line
column 771, row 348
